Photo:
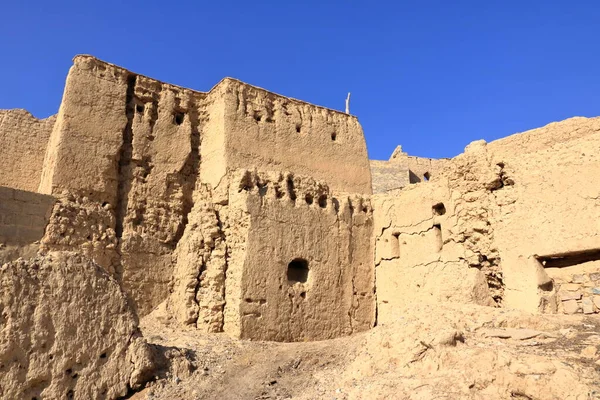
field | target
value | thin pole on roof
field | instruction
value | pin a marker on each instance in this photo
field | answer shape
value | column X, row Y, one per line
column 348, row 104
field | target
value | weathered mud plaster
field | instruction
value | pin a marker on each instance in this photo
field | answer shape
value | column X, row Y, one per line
column 23, row 219
column 492, row 222
column 68, row 332
column 23, row 140
column 307, row 271
column 165, row 163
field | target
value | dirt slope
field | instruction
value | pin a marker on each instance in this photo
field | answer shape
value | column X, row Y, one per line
column 428, row 352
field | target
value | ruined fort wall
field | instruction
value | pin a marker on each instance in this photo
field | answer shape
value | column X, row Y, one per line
column 23, row 139
column 273, row 132
column 126, row 148
column 506, row 214
column 307, row 272
column 137, row 165
column 554, row 209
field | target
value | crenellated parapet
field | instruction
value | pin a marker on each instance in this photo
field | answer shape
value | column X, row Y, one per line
column 298, row 191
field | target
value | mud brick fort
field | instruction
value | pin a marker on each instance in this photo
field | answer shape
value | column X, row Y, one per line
column 245, row 212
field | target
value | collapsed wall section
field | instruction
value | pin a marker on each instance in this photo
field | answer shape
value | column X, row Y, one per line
column 502, row 212
column 401, row 170
column 23, row 140
column 388, row 176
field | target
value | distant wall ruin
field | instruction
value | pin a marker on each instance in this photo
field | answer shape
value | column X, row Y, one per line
column 23, row 140
column 23, row 220
column 401, row 170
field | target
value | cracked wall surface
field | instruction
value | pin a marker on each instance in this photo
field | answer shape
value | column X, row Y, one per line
column 23, row 140
column 502, row 208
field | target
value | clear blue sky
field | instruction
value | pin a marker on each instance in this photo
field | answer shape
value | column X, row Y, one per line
column 430, row 75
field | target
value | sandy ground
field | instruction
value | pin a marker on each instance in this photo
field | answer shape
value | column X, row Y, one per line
column 429, row 352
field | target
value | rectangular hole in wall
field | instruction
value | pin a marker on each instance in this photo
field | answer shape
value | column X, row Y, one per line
column 575, row 276
column 395, row 245
column 569, row 259
column 437, row 229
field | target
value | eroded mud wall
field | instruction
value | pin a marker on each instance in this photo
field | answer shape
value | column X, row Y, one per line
column 307, row 273
column 123, row 160
column 68, row 332
column 271, row 132
column 23, row 140
column 498, row 212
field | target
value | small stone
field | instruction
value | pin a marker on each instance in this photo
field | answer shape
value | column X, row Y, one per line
column 571, row 287
column 570, row 295
column 596, row 301
column 588, row 305
column 580, row 278
column 596, row 290
column 589, row 352
column 595, row 276
column 570, row 306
